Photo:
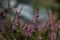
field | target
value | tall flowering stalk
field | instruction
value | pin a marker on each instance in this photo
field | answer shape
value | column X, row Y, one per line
column 2, row 20
column 1, row 37
column 2, row 23
column 51, row 24
column 43, row 29
column 17, row 19
column 13, row 26
column 2, row 29
column 29, row 29
column 43, row 26
column 36, row 18
column 58, row 26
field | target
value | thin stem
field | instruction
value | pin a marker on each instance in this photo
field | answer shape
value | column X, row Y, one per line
column 9, row 8
column 0, row 4
column 21, row 9
column 9, row 5
column 20, row 12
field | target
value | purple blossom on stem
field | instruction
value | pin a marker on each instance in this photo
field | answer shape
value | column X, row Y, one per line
column 17, row 20
column 29, row 29
column 2, row 25
column 44, row 24
column 2, row 20
column 53, row 36
column 58, row 25
column 36, row 18
column 51, row 24
column 1, row 37
column 52, row 33
column 54, row 17
column 13, row 27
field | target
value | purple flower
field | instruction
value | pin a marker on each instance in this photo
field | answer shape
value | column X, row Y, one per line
column 36, row 18
column 28, row 29
column 58, row 25
column 2, row 25
column 54, row 17
column 53, row 36
column 44, row 24
column 1, row 37
column 13, row 26
column 51, row 24
column 17, row 20
column 52, row 33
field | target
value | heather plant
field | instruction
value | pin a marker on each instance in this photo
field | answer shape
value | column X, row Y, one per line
column 14, row 30
column 18, row 31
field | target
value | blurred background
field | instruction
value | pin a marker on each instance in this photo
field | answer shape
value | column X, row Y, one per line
column 29, row 7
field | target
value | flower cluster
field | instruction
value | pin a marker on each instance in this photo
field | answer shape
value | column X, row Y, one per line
column 14, row 25
column 1, row 37
column 2, row 25
column 53, row 36
column 51, row 24
column 52, row 33
column 17, row 20
column 29, row 29
column 46, row 30
column 58, row 25
column 36, row 18
column 2, row 20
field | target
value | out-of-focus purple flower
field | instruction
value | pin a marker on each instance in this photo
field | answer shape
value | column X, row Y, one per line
column 58, row 25
column 17, row 20
column 51, row 25
column 52, row 33
column 36, row 18
column 2, row 13
column 1, row 37
column 44, row 24
column 28, row 29
column 13, row 27
column 53, row 36
column 54, row 17
column 2, row 25
column 2, row 20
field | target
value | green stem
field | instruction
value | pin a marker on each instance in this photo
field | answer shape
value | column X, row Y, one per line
column 9, row 5
column 0, row 4
column 9, row 8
